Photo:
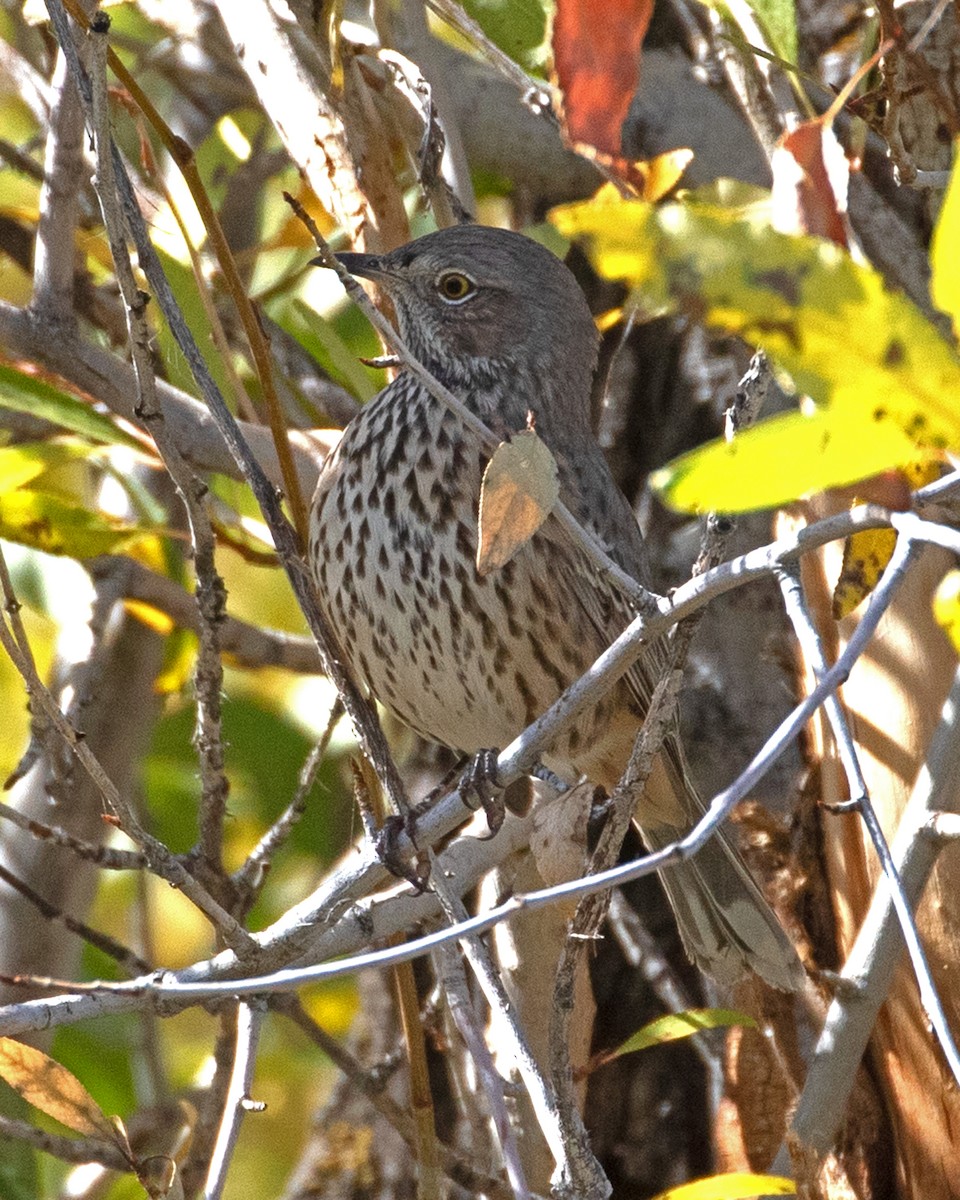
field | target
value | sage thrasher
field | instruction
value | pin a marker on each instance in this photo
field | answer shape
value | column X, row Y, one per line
column 469, row 660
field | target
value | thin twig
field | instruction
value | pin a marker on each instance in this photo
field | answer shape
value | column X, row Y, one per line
column 132, row 963
column 108, row 857
column 285, row 537
column 249, row 877
column 162, row 862
column 237, row 1100
column 63, row 176
column 211, row 594
column 454, row 1165
column 457, row 992
column 491, row 984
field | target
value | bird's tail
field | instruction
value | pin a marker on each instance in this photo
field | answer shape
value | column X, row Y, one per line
column 726, row 924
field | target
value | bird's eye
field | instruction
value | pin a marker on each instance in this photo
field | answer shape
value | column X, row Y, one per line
column 455, row 286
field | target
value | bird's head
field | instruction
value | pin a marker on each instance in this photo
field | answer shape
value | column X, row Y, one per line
column 474, row 302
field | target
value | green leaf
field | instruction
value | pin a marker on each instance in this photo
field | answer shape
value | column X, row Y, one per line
column 866, row 355
column 737, row 1185
column 945, row 249
column 518, row 27
column 56, row 525
column 323, row 340
column 673, row 1026
column 24, row 393
column 778, row 20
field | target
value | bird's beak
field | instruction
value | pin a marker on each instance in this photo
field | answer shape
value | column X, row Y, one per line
column 367, row 266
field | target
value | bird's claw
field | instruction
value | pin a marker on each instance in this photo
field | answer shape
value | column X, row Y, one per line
column 480, row 787
column 415, row 868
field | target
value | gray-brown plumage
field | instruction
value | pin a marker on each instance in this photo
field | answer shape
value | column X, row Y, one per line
column 470, row 660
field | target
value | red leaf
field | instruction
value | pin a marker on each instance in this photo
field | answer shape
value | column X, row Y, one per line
column 596, row 52
column 810, row 176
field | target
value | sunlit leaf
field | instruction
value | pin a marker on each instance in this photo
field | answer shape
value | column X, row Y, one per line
column 810, row 179
column 737, row 1185
column 780, row 459
column 885, row 377
column 946, row 606
column 154, row 618
column 945, row 249
column 778, row 19
column 518, row 27
column 865, row 556
column 520, row 487
column 660, row 175
column 671, row 1027
column 49, row 1086
column 50, row 523
column 21, row 464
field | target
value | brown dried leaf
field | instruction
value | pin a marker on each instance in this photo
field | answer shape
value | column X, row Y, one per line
column 47, row 1085
column 520, row 487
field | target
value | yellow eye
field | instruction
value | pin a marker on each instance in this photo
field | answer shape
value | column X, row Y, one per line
column 454, row 286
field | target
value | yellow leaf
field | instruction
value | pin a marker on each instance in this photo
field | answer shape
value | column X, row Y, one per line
column 520, row 487
column 828, row 321
column 660, row 175
column 945, row 250
column 47, row 1085
column 154, row 618
column 737, row 1185
column 946, row 606
column 673, row 1026
column 865, row 556
column 781, row 459
column 49, row 523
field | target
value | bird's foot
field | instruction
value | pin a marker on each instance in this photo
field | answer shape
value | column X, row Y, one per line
column 396, row 857
column 480, row 787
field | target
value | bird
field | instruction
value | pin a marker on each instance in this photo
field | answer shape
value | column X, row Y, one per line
column 469, row 659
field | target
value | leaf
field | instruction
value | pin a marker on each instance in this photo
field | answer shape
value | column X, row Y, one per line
column 946, row 606
column 945, row 249
column 865, row 556
column 49, row 523
column 737, row 1185
column 673, row 1026
column 781, row 459
column 26, row 393
column 520, row 487
column 21, row 464
column 49, row 1086
column 660, row 175
column 810, row 178
column 518, row 27
column 869, row 358
column 778, row 19
column 596, row 51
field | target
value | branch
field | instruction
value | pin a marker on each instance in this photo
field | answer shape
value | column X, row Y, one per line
column 870, row 966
